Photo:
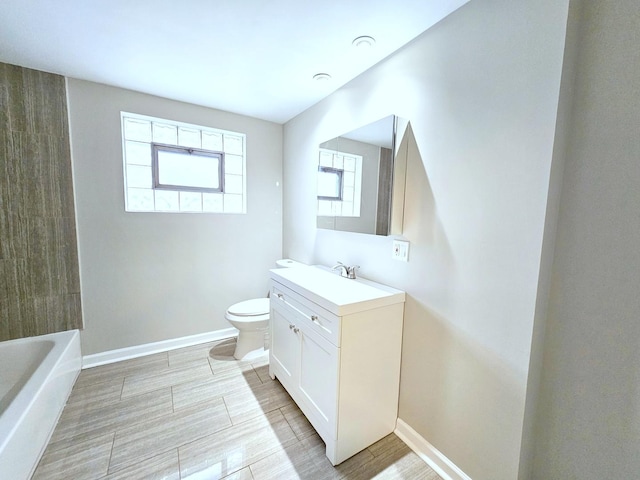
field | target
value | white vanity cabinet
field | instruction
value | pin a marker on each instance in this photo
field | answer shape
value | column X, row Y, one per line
column 335, row 347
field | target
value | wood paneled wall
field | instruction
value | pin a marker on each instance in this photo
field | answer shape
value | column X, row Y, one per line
column 39, row 272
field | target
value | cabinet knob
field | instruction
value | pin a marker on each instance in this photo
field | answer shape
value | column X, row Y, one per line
column 291, row 326
column 280, row 295
column 296, row 330
column 314, row 318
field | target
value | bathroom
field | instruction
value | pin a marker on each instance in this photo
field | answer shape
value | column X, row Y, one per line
column 507, row 232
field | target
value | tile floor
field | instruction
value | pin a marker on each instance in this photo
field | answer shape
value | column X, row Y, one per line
column 196, row 413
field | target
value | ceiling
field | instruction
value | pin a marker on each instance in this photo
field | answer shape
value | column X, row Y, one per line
column 253, row 57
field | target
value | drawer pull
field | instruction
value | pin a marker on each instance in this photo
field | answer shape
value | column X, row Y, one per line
column 296, row 330
column 291, row 326
column 314, row 318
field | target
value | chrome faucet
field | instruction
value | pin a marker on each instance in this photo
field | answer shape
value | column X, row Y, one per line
column 346, row 271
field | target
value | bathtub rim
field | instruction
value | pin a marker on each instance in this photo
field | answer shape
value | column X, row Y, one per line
column 35, row 388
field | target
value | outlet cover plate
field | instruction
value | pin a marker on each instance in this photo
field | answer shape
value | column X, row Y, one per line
column 400, row 250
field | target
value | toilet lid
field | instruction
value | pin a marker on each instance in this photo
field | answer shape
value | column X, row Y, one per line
column 248, row 308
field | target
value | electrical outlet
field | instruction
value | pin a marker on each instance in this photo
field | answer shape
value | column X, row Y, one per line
column 400, row 250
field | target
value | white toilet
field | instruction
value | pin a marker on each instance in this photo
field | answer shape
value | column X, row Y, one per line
column 251, row 318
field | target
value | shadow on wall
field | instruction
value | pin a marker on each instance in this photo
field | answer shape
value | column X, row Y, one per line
column 431, row 257
column 459, row 384
column 421, row 224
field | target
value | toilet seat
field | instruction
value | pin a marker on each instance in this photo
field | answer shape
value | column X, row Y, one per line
column 250, row 311
column 250, row 308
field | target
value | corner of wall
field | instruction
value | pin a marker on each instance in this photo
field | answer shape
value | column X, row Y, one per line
column 563, row 121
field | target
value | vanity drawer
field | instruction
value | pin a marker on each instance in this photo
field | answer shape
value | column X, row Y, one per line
column 314, row 317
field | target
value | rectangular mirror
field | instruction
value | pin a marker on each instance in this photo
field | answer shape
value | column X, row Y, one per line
column 361, row 179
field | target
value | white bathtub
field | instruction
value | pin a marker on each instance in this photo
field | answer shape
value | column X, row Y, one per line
column 36, row 378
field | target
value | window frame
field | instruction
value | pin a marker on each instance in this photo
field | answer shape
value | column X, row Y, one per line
column 155, row 170
column 340, row 173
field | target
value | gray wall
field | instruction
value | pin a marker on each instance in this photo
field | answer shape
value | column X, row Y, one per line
column 588, row 414
column 481, row 92
column 149, row 277
column 39, row 281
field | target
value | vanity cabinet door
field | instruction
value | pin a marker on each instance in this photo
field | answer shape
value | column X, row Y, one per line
column 318, row 378
column 285, row 347
column 307, row 365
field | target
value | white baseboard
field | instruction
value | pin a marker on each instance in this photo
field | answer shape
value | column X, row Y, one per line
column 428, row 453
column 128, row 353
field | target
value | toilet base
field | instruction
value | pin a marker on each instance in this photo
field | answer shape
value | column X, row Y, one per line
column 250, row 345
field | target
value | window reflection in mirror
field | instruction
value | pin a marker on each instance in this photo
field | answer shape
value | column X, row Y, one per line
column 330, row 183
column 364, row 159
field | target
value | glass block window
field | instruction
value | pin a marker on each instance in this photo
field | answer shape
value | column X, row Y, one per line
column 176, row 167
column 339, row 183
column 330, row 182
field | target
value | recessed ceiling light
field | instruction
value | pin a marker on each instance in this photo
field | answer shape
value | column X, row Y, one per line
column 322, row 77
column 364, row 42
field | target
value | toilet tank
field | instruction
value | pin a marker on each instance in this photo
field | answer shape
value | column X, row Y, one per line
column 288, row 263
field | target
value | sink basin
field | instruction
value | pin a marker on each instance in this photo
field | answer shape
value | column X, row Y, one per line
column 339, row 295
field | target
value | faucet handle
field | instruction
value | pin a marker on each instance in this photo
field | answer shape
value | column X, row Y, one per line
column 346, row 271
column 351, row 271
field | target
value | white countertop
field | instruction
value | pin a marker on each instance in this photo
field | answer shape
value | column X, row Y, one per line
column 341, row 296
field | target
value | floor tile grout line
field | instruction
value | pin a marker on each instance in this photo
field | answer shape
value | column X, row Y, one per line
column 81, row 383
column 179, row 466
column 155, row 389
column 251, row 471
column 256, row 372
column 113, row 441
column 211, row 366
column 226, row 409
column 122, row 387
column 289, row 423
